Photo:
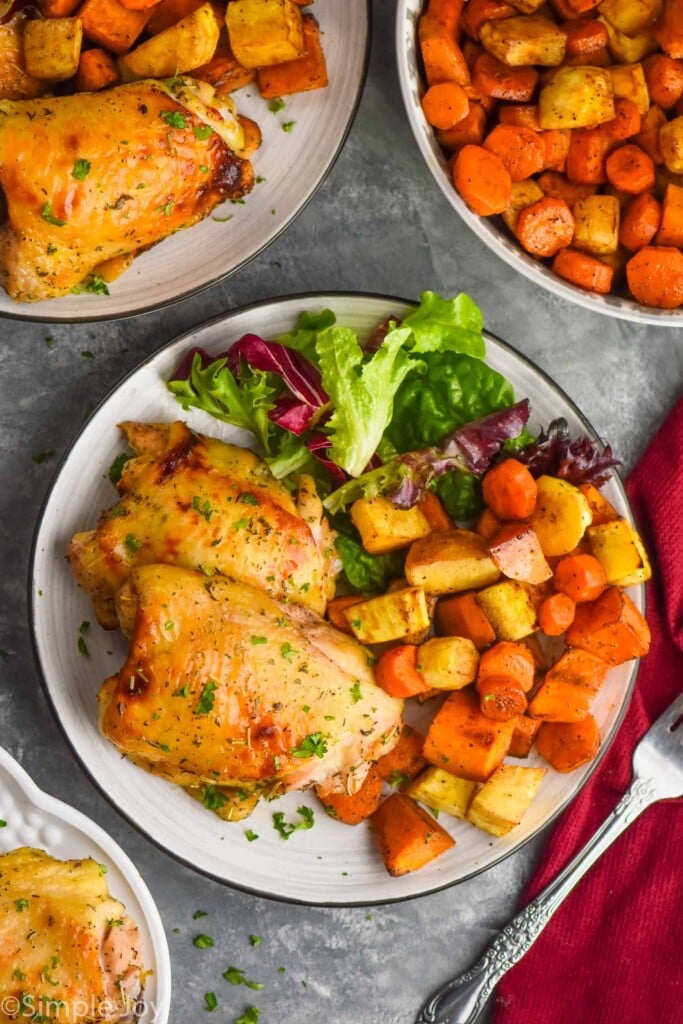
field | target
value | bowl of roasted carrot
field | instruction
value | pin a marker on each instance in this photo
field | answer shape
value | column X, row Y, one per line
column 556, row 133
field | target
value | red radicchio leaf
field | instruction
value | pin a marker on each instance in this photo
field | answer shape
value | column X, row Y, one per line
column 292, row 414
column 578, row 462
column 300, row 376
column 185, row 367
column 317, row 445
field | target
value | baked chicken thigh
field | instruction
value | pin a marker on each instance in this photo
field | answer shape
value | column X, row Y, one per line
column 97, row 176
column 197, row 502
column 68, row 952
column 226, row 687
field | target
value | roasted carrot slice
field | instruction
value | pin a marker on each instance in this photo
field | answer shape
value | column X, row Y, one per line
column 567, row 746
column 545, row 227
column 405, row 760
column 556, row 614
column 482, row 180
column 352, row 808
column 640, row 222
column 580, row 577
column 408, row 836
column 655, row 276
column 630, row 170
column 583, row 270
column 493, row 78
column 396, row 672
column 510, row 490
column 521, row 150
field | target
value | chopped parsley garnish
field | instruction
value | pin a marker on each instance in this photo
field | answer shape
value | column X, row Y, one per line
column 254, row 940
column 204, row 169
column 259, row 640
column 204, row 509
column 81, row 169
column 83, row 647
column 288, row 125
column 213, row 799
column 21, row 904
column 355, row 692
column 241, row 523
column 183, row 691
column 94, row 284
column 202, row 131
column 174, row 118
column 235, row 976
column 210, row 1000
column 275, row 106
column 116, row 468
column 47, row 215
column 251, row 835
column 3, row 823
column 202, row 942
column 313, row 745
column 286, row 828
column 19, row 975
column 87, row 354
column 287, row 651
column 167, row 209
column 84, row 626
column 199, row 913
column 397, row 778
column 169, row 625
column 248, row 499
column 115, row 922
column 132, row 543
column 206, row 700
column 250, row 1016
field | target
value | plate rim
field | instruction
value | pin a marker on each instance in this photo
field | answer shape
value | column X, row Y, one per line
column 90, row 829
column 27, row 317
column 521, row 263
column 303, row 297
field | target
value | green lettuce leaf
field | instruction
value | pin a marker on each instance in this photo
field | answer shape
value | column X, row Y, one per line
column 461, row 495
column 361, row 391
column 453, row 390
column 302, row 338
column 440, row 325
column 368, row 574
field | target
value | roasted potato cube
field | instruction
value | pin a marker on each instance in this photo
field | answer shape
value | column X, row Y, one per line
column 503, row 801
column 576, row 98
column 560, row 517
column 630, row 16
column 596, row 224
column 264, row 32
column 445, row 563
column 621, row 552
column 389, row 617
column 510, row 609
column 442, row 791
column 524, row 193
column 15, row 84
column 383, row 527
column 448, row 662
column 627, row 49
column 180, row 48
column 524, row 40
column 52, row 48
column 671, row 145
column 628, row 83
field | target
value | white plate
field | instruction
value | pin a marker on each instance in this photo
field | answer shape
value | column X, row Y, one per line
column 491, row 229
column 36, row 819
column 332, row 863
column 292, row 163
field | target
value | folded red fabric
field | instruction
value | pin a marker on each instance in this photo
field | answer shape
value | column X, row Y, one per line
column 613, row 953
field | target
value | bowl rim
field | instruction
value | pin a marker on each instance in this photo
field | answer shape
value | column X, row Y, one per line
column 152, row 307
column 300, row 299
column 487, row 229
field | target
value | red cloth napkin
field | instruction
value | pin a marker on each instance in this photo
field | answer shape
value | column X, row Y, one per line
column 613, row 953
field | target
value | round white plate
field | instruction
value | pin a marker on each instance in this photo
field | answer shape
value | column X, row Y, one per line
column 332, row 863
column 491, row 229
column 292, row 163
column 36, row 819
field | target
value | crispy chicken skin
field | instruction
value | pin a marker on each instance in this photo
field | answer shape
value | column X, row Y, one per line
column 224, row 686
column 153, row 167
column 67, row 948
column 194, row 501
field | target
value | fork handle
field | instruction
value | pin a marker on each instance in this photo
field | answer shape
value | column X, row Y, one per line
column 463, row 999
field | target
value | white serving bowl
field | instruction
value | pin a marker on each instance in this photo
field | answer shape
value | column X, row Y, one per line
column 491, row 229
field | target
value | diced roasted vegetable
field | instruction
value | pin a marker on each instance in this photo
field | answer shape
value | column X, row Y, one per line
column 52, row 47
column 625, row 48
column 408, row 836
column 596, row 224
column 671, row 144
column 405, row 760
column 628, row 82
column 576, row 98
column 301, row 75
column 509, row 608
column 448, row 662
column 560, row 517
column 517, row 552
column 524, row 193
column 524, row 735
column 505, row 798
column 461, row 615
column 464, row 741
column 442, row 791
column 524, row 40
column 445, row 563
column 111, row 25
column 621, row 552
column 264, row 32
column 383, row 527
column 569, row 687
column 568, row 745
column 352, row 808
column 630, row 16
column 180, row 48
column 601, row 509
column 611, row 628
column 390, row 616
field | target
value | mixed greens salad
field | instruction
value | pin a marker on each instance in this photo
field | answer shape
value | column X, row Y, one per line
column 413, row 407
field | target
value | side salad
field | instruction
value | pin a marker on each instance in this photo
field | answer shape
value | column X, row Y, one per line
column 411, row 408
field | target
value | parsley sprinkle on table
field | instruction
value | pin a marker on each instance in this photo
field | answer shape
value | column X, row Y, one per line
column 202, row 942
column 211, row 1001
column 254, row 940
column 235, row 976
column 250, row 1016
column 199, row 913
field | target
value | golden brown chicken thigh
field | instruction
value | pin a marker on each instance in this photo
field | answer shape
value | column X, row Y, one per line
column 194, row 501
column 96, row 176
column 224, row 686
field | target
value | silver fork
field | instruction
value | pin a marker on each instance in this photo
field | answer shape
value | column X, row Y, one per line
column 657, row 775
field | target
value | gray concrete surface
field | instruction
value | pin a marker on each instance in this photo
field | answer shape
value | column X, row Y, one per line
column 377, row 224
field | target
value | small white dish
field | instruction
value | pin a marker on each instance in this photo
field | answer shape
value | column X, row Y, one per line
column 36, row 819
column 292, row 164
column 332, row 864
column 490, row 229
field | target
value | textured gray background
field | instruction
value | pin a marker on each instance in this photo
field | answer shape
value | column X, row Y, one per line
column 377, row 224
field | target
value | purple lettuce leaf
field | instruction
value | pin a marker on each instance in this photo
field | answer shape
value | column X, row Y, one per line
column 577, row 461
column 300, row 376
